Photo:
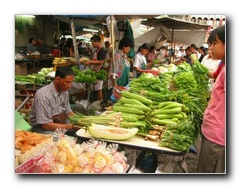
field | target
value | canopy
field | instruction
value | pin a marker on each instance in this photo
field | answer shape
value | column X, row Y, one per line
column 182, row 26
column 87, row 20
column 176, row 30
column 160, row 35
column 172, row 23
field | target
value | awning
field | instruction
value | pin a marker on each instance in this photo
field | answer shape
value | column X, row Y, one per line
column 172, row 23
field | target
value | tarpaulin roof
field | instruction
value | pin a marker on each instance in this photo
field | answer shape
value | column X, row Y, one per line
column 174, row 31
column 86, row 20
column 160, row 35
column 172, row 23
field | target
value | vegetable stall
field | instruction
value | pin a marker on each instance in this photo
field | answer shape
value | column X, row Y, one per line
column 156, row 113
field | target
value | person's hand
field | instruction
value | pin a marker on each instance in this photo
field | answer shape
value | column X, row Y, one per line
column 75, row 128
column 153, row 72
column 88, row 63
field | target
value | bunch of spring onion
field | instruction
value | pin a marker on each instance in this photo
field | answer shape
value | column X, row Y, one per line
column 179, row 136
column 83, row 121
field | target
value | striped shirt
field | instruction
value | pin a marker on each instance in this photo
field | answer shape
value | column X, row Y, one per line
column 47, row 102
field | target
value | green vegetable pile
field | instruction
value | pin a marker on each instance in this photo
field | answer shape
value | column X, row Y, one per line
column 36, row 78
column 189, row 86
column 89, row 76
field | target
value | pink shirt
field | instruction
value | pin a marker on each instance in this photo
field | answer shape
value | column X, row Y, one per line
column 213, row 126
column 151, row 56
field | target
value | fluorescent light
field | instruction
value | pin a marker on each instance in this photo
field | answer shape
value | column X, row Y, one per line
column 28, row 16
column 90, row 30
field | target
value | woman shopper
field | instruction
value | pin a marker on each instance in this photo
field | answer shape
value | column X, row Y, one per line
column 212, row 153
column 140, row 62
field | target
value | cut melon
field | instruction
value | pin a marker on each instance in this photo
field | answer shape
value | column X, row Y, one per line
column 111, row 133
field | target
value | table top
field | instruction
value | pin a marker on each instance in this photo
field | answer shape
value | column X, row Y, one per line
column 136, row 142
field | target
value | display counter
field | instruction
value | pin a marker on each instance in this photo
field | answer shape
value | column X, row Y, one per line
column 21, row 67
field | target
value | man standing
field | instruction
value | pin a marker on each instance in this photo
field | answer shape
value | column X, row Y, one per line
column 96, row 63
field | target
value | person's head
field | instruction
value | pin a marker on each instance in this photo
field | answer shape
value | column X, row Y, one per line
column 216, row 42
column 144, row 49
column 63, row 78
column 69, row 42
column 95, row 40
column 32, row 41
column 181, row 49
column 201, row 50
column 193, row 47
column 125, row 45
column 63, row 40
column 107, row 44
column 188, row 51
column 152, row 49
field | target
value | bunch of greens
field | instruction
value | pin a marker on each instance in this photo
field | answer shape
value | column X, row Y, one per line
column 185, row 80
column 38, row 78
column 102, row 75
column 179, row 136
column 86, row 76
column 89, row 76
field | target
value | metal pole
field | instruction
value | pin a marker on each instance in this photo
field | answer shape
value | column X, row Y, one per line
column 112, row 19
column 75, row 43
column 173, row 42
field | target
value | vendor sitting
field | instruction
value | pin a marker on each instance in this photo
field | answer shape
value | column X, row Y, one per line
column 51, row 105
column 31, row 47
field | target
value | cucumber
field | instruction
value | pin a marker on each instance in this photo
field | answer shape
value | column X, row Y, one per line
column 111, row 133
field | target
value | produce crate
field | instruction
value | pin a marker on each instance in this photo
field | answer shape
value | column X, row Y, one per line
column 28, row 91
column 21, row 69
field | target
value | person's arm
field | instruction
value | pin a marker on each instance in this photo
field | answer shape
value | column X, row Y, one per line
column 214, row 74
column 94, row 62
column 211, row 74
column 137, row 69
column 70, row 114
column 154, row 72
column 53, row 126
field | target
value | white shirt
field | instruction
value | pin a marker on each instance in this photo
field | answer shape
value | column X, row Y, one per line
column 211, row 64
column 140, row 62
column 161, row 55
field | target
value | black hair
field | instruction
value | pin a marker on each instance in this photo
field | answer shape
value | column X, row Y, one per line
column 31, row 39
column 219, row 33
column 64, row 71
column 152, row 48
column 193, row 46
column 125, row 42
column 96, row 38
column 145, row 46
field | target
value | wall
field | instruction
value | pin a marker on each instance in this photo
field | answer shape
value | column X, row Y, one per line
column 41, row 27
